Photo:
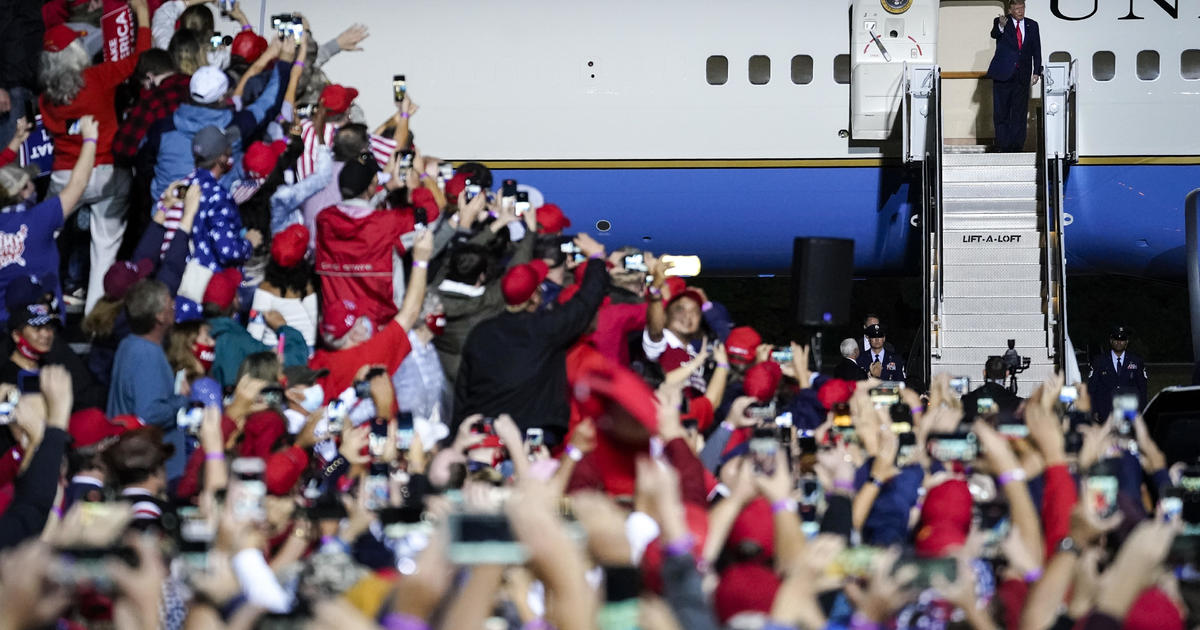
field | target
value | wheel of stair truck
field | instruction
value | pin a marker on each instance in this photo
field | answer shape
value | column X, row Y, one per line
column 896, row 6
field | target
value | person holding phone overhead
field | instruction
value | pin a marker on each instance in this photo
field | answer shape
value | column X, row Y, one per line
column 1015, row 67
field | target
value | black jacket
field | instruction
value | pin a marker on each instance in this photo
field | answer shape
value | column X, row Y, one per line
column 1104, row 382
column 33, row 494
column 1006, row 400
column 893, row 365
column 849, row 370
column 515, row 363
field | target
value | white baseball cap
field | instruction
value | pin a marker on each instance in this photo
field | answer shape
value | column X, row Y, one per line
column 209, row 85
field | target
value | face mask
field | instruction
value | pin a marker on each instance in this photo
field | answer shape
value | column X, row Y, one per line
column 27, row 350
column 314, row 397
column 205, row 354
column 436, row 323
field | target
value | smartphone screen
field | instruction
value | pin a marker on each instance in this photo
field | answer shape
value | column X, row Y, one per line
column 73, row 127
column 28, row 383
column 404, row 430
column 483, row 539
column 377, row 489
column 635, row 262
column 953, row 447
column 763, row 447
column 1100, row 492
column 399, row 87
column 508, row 188
column 986, row 406
column 522, row 205
column 246, row 488
column 885, row 395
column 782, row 355
column 960, row 385
column 377, row 439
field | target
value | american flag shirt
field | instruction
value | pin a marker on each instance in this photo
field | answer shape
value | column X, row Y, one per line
column 381, row 147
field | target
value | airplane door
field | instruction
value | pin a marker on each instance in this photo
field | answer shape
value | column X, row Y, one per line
column 884, row 35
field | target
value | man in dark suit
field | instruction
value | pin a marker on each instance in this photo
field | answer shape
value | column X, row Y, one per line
column 1116, row 372
column 995, row 375
column 848, row 369
column 877, row 360
column 1016, row 65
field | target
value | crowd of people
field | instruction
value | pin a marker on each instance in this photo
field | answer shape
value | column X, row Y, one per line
column 333, row 381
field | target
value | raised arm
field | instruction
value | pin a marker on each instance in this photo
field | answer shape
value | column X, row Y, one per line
column 82, row 173
column 414, row 297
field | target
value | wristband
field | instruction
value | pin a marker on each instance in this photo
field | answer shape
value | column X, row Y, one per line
column 247, row 27
column 783, row 505
column 573, row 452
column 654, row 292
column 214, row 457
column 92, row 140
column 232, row 606
column 843, row 484
column 404, row 114
column 1033, row 575
column 679, row 547
column 706, row 307
column 728, row 426
column 597, row 256
column 1005, row 478
column 397, row 621
column 538, row 624
column 421, row 264
column 918, row 409
column 875, row 480
column 859, row 621
column 723, row 365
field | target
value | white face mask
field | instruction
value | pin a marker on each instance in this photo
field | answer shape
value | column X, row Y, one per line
column 314, row 397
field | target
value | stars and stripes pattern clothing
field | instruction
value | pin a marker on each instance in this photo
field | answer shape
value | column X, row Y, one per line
column 381, row 147
column 218, row 241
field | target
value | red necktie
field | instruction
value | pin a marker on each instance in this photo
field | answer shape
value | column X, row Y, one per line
column 1020, row 40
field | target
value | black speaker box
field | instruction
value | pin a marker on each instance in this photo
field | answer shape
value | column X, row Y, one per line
column 822, row 271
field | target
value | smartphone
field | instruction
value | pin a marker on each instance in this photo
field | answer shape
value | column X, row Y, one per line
column 85, row 568
column 1170, row 504
column 335, row 415
column 960, row 385
column 782, row 355
column 992, row 520
column 902, row 420
column 810, row 490
column 1100, row 490
column 1068, row 395
column 635, row 262
column 1127, row 404
column 279, row 21
column 226, row 7
column 953, row 447
column 986, row 406
column 7, row 406
column 193, row 418
column 761, row 411
column 377, row 489
column 685, row 266
column 1012, row 428
column 30, row 111
column 246, row 488
column 522, row 204
column 216, row 40
column 763, row 447
column 405, row 158
column 404, row 430
column 486, row 426
column 508, row 188
column 399, row 87
column 927, row 568
column 196, row 535
column 807, row 442
column 534, row 437
column 483, row 539
column 28, row 382
column 377, row 439
column 1189, row 492
column 297, row 27
column 73, row 127
column 885, row 395
column 569, row 247
column 906, row 454
column 843, row 423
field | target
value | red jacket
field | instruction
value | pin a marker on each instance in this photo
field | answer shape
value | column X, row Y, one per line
column 96, row 98
column 354, row 256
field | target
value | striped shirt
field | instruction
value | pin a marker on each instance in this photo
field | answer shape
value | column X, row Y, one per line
column 381, row 147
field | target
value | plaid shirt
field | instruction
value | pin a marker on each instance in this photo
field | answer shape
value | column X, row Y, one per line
column 153, row 105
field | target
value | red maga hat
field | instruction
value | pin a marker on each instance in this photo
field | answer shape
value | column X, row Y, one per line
column 223, row 287
column 289, row 246
column 742, row 345
column 519, row 284
column 261, row 157
column 337, row 98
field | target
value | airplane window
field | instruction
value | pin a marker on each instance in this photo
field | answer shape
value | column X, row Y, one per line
column 841, row 69
column 760, row 69
column 1104, row 66
column 717, row 70
column 1060, row 55
column 1147, row 65
column 802, row 69
column 1189, row 64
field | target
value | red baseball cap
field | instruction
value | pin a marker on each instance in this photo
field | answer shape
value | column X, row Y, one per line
column 289, row 246
column 835, row 390
column 679, row 290
column 551, row 219
column 455, row 185
column 223, row 287
column 261, row 157
column 762, row 380
column 337, row 98
column 339, row 318
column 57, row 38
column 248, row 45
column 90, row 426
column 123, row 274
column 519, row 284
column 604, row 386
column 745, row 587
column 945, row 519
column 742, row 345
column 672, row 358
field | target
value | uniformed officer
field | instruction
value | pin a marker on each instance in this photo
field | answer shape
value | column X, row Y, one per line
column 879, row 361
column 1116, row 372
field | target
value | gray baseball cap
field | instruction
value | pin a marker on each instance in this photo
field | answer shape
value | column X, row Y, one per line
column 210, row 142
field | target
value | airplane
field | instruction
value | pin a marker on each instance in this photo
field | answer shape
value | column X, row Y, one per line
column 723, row 129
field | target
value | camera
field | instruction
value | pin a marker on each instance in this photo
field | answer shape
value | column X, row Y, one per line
column 399, row 87
column 1014, row 363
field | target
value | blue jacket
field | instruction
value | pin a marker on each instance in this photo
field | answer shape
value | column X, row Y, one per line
column 144, row 385
column 1008, row 58
column 172, row 142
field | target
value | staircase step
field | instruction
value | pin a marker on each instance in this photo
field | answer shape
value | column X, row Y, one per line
column 1027, row 381
column 951, row 174
column 985, row 273
column 989, row 189
column 990, row 221
column 1006, row 288
column 992, row 256
column 994, row 305
column 964, row 148
column 989, row 159
column 990, row 204
column 990, row 239
column 995, row 322
column 977, row 355
column 997, row 339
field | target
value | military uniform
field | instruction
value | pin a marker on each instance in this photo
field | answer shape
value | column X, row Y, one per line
column 1111, row 376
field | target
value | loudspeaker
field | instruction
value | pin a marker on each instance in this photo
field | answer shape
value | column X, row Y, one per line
column 822, row 270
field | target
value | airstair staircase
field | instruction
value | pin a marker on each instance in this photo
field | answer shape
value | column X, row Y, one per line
column 992, row 232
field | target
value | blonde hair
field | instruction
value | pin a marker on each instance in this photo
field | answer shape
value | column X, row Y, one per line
column 100, row 322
